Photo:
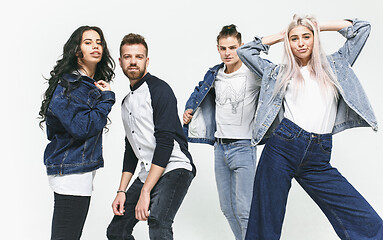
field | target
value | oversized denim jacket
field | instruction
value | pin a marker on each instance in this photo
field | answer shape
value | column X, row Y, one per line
column 75, row 122
column 354, row 109
column 203, row 126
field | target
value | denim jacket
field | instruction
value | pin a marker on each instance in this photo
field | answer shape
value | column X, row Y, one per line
column 354, row 109
column 75, row 122
column 203, row 126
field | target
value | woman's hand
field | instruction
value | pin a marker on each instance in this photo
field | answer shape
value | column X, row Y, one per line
column 102, row 85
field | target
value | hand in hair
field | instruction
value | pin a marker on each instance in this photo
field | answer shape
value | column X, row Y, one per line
column 102, row 85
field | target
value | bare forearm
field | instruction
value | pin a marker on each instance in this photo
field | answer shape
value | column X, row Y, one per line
column 334, row 25
column 154, row 175
column 273, row 39
column 125, row 179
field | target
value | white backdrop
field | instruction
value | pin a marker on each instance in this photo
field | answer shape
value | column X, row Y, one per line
column 181, row 37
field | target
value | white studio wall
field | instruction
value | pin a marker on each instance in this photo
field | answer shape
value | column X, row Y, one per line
column 182, row 46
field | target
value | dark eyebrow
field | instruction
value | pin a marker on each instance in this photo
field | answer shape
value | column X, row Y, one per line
column 88, row 39
column 228, row 46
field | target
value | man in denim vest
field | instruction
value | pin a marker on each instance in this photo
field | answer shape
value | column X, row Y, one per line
column 221, row 112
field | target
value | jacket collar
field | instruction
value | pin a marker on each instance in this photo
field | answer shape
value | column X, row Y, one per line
column 72, row 78
column 217, row 67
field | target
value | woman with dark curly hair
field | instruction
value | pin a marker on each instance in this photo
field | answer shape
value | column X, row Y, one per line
column 75, row 110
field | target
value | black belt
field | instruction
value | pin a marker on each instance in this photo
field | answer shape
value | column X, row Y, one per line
column 226, row 140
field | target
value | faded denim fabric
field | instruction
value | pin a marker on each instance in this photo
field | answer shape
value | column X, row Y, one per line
column 235, row 165
column 203, row 126
column 75, row 121
column 234, row 162
column 354, row 109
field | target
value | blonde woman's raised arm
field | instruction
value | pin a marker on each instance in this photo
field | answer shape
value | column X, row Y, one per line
column 273, row 39
column 334, row 25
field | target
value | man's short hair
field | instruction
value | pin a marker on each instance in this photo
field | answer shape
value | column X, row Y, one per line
column 133, row 38
column 229, row 31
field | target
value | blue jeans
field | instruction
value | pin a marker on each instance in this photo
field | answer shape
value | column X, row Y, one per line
column 235, row 165
column 290, row 153
column 165, row 199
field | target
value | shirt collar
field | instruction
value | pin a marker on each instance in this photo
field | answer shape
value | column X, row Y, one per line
column 140, row 82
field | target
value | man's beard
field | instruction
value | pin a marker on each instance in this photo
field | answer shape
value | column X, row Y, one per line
column 134, row 75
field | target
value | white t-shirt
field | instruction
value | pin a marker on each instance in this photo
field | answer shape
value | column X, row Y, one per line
column 80, row 184
column 236, row 101
column 310, row 107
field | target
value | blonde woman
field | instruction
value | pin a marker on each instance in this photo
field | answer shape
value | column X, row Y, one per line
column 302, row 103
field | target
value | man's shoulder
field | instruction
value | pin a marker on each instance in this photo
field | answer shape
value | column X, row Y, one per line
column 156, row 82
column 158, row 86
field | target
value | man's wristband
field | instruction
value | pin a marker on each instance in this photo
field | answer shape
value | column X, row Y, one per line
column 118, row 191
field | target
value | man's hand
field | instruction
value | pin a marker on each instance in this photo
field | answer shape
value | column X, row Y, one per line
column 118, row 204
column 142, row 207
column 187, row 116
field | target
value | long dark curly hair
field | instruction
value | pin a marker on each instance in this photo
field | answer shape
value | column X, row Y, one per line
column 68, row 63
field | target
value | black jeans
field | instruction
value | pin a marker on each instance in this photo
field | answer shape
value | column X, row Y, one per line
column 165, row 200
column 69, row 216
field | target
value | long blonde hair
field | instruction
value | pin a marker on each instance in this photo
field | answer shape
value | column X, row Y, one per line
column 318, row 65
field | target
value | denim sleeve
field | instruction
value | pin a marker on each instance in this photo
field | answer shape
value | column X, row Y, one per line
column 130, row 159
column 356, row 36
column 191, row 102
column 81, row 119
column 249, row 54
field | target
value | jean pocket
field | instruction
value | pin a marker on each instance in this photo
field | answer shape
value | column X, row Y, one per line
column 326, row 145
column 284, row 133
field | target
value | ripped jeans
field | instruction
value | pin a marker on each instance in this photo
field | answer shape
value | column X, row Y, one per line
column 165, row 200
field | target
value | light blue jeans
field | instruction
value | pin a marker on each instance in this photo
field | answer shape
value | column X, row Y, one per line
column 235, row 165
